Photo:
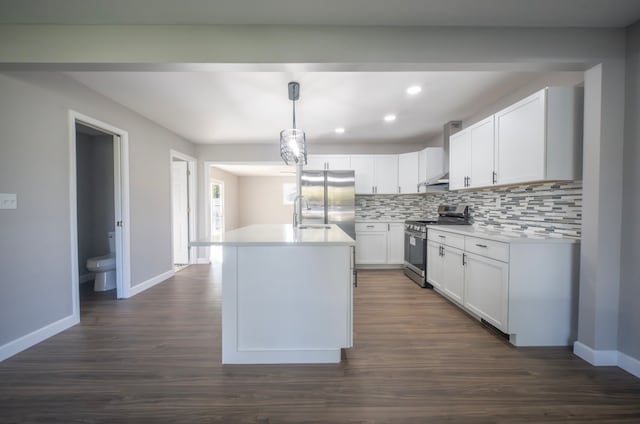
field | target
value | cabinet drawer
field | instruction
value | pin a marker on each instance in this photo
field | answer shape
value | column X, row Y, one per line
column 450, row 239
column 362, row 227
column 489, row 248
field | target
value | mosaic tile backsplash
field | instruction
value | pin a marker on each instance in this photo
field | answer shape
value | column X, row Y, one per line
column 550, row 208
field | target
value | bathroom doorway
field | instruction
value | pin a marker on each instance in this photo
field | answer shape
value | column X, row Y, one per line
column 182, row 208
column 99, row 210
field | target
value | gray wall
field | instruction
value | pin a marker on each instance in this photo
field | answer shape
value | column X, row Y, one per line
column 94, row 176
column 629, row 319
column 34, row 163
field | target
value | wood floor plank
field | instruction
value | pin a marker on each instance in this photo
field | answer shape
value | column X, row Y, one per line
column 416, row 359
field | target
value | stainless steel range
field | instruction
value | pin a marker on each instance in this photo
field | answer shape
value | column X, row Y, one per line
column 415, row 239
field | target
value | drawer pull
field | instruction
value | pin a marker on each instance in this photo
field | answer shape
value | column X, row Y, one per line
column 371, row 226
column 442, row 236
column 482, row 245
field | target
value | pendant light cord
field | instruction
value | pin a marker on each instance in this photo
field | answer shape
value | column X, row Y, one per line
column 294, row 114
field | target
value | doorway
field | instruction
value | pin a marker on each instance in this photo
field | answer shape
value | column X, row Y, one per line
column 99, row 204
column 182, row 209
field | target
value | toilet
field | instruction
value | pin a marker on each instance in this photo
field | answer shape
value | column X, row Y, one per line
column 104, row 267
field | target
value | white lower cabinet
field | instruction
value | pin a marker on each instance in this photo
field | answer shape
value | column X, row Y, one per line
column 371, row 247
column 525, row 287
column 380, row 243
column 435, row 264
column 395, row 244
column 486, row 283
column 453, row 274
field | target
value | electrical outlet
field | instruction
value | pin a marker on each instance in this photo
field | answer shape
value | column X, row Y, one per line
column 498, row 202
column 8, row 201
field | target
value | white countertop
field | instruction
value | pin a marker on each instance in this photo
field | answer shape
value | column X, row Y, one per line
column 503, row 236
column 280, row 235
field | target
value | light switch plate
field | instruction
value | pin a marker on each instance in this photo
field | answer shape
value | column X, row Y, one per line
column 8, row 201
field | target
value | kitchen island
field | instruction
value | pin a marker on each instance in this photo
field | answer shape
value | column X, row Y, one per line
column 287, row 294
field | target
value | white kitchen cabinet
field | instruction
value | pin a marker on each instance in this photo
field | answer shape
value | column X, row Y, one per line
column 328, row 162
column 395, row 244
column 481, row 155
column 435, row 264
column 445, row 264
column 371, row 243
column 471, row 156
column 380, row 244
column 430, row 163
column 385, row 171
column 408, row 172
column 487, row 289
column 364, row 168
column 525, row 287
column 453, row 273
column 375, row 174
column 459, row 159
column 539, row 138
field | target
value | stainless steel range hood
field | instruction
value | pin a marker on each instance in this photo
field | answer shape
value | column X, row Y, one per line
column 449, row 129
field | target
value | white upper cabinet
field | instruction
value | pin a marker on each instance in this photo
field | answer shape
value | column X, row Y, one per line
column 363, row 167
column 481, row 154
column 408, row 172
column 430, row 163
column 459, row 159
column 471, row 156
column 540, row 137
column 536, row 139
column 332, row 162
column 520, row 141
column 375, row 174
column 385, row 171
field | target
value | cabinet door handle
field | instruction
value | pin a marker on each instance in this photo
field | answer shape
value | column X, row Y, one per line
column 464, row 259
column 399, row 189
column 388, row 227
column 441, row 250
column 495, row 177
column 481, row 245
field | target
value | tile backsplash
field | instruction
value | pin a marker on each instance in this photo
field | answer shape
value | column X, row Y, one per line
column 551, row 208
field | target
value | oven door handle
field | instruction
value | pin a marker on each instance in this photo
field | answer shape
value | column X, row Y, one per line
column 420, row 236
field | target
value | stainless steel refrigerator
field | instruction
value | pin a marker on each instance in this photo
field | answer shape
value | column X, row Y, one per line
column 329, row 198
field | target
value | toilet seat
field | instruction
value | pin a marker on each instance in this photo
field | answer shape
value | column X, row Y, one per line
column 102, row 263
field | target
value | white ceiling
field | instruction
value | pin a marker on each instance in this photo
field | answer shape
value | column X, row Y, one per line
column 253, row 107
column 516, row 13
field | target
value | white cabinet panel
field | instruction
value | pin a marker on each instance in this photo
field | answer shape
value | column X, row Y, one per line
column 481, row 155
column 430, row 163
column 385, row 170
column 371, row 248
column 520, row 141
column 453, row 274
column 363, row 167
column 435, row 265
column 408, row 170
column 487, row 289
column 315, row 162
column 395, row 244
column 459, row 159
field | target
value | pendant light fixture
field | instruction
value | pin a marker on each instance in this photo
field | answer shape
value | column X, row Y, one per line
column 293, row 143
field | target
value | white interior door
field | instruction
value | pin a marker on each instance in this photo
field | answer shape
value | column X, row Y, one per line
column 180, row 196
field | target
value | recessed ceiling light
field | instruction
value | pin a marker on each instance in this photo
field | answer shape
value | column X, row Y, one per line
column 339, row 130
column 414, row 89
column 390, row 118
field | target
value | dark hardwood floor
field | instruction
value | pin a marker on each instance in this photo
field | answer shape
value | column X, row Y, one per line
column 416, row 359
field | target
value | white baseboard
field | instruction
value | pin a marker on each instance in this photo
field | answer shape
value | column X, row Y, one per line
column 35, row 337
column 139, row 288
column 595, row 357
column 629, row 364
column 86, row 277
column 203, row 261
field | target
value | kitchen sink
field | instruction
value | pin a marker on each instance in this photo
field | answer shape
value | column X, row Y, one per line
column 314, row 227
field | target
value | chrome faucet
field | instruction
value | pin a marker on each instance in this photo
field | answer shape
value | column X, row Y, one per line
column 296, row 218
